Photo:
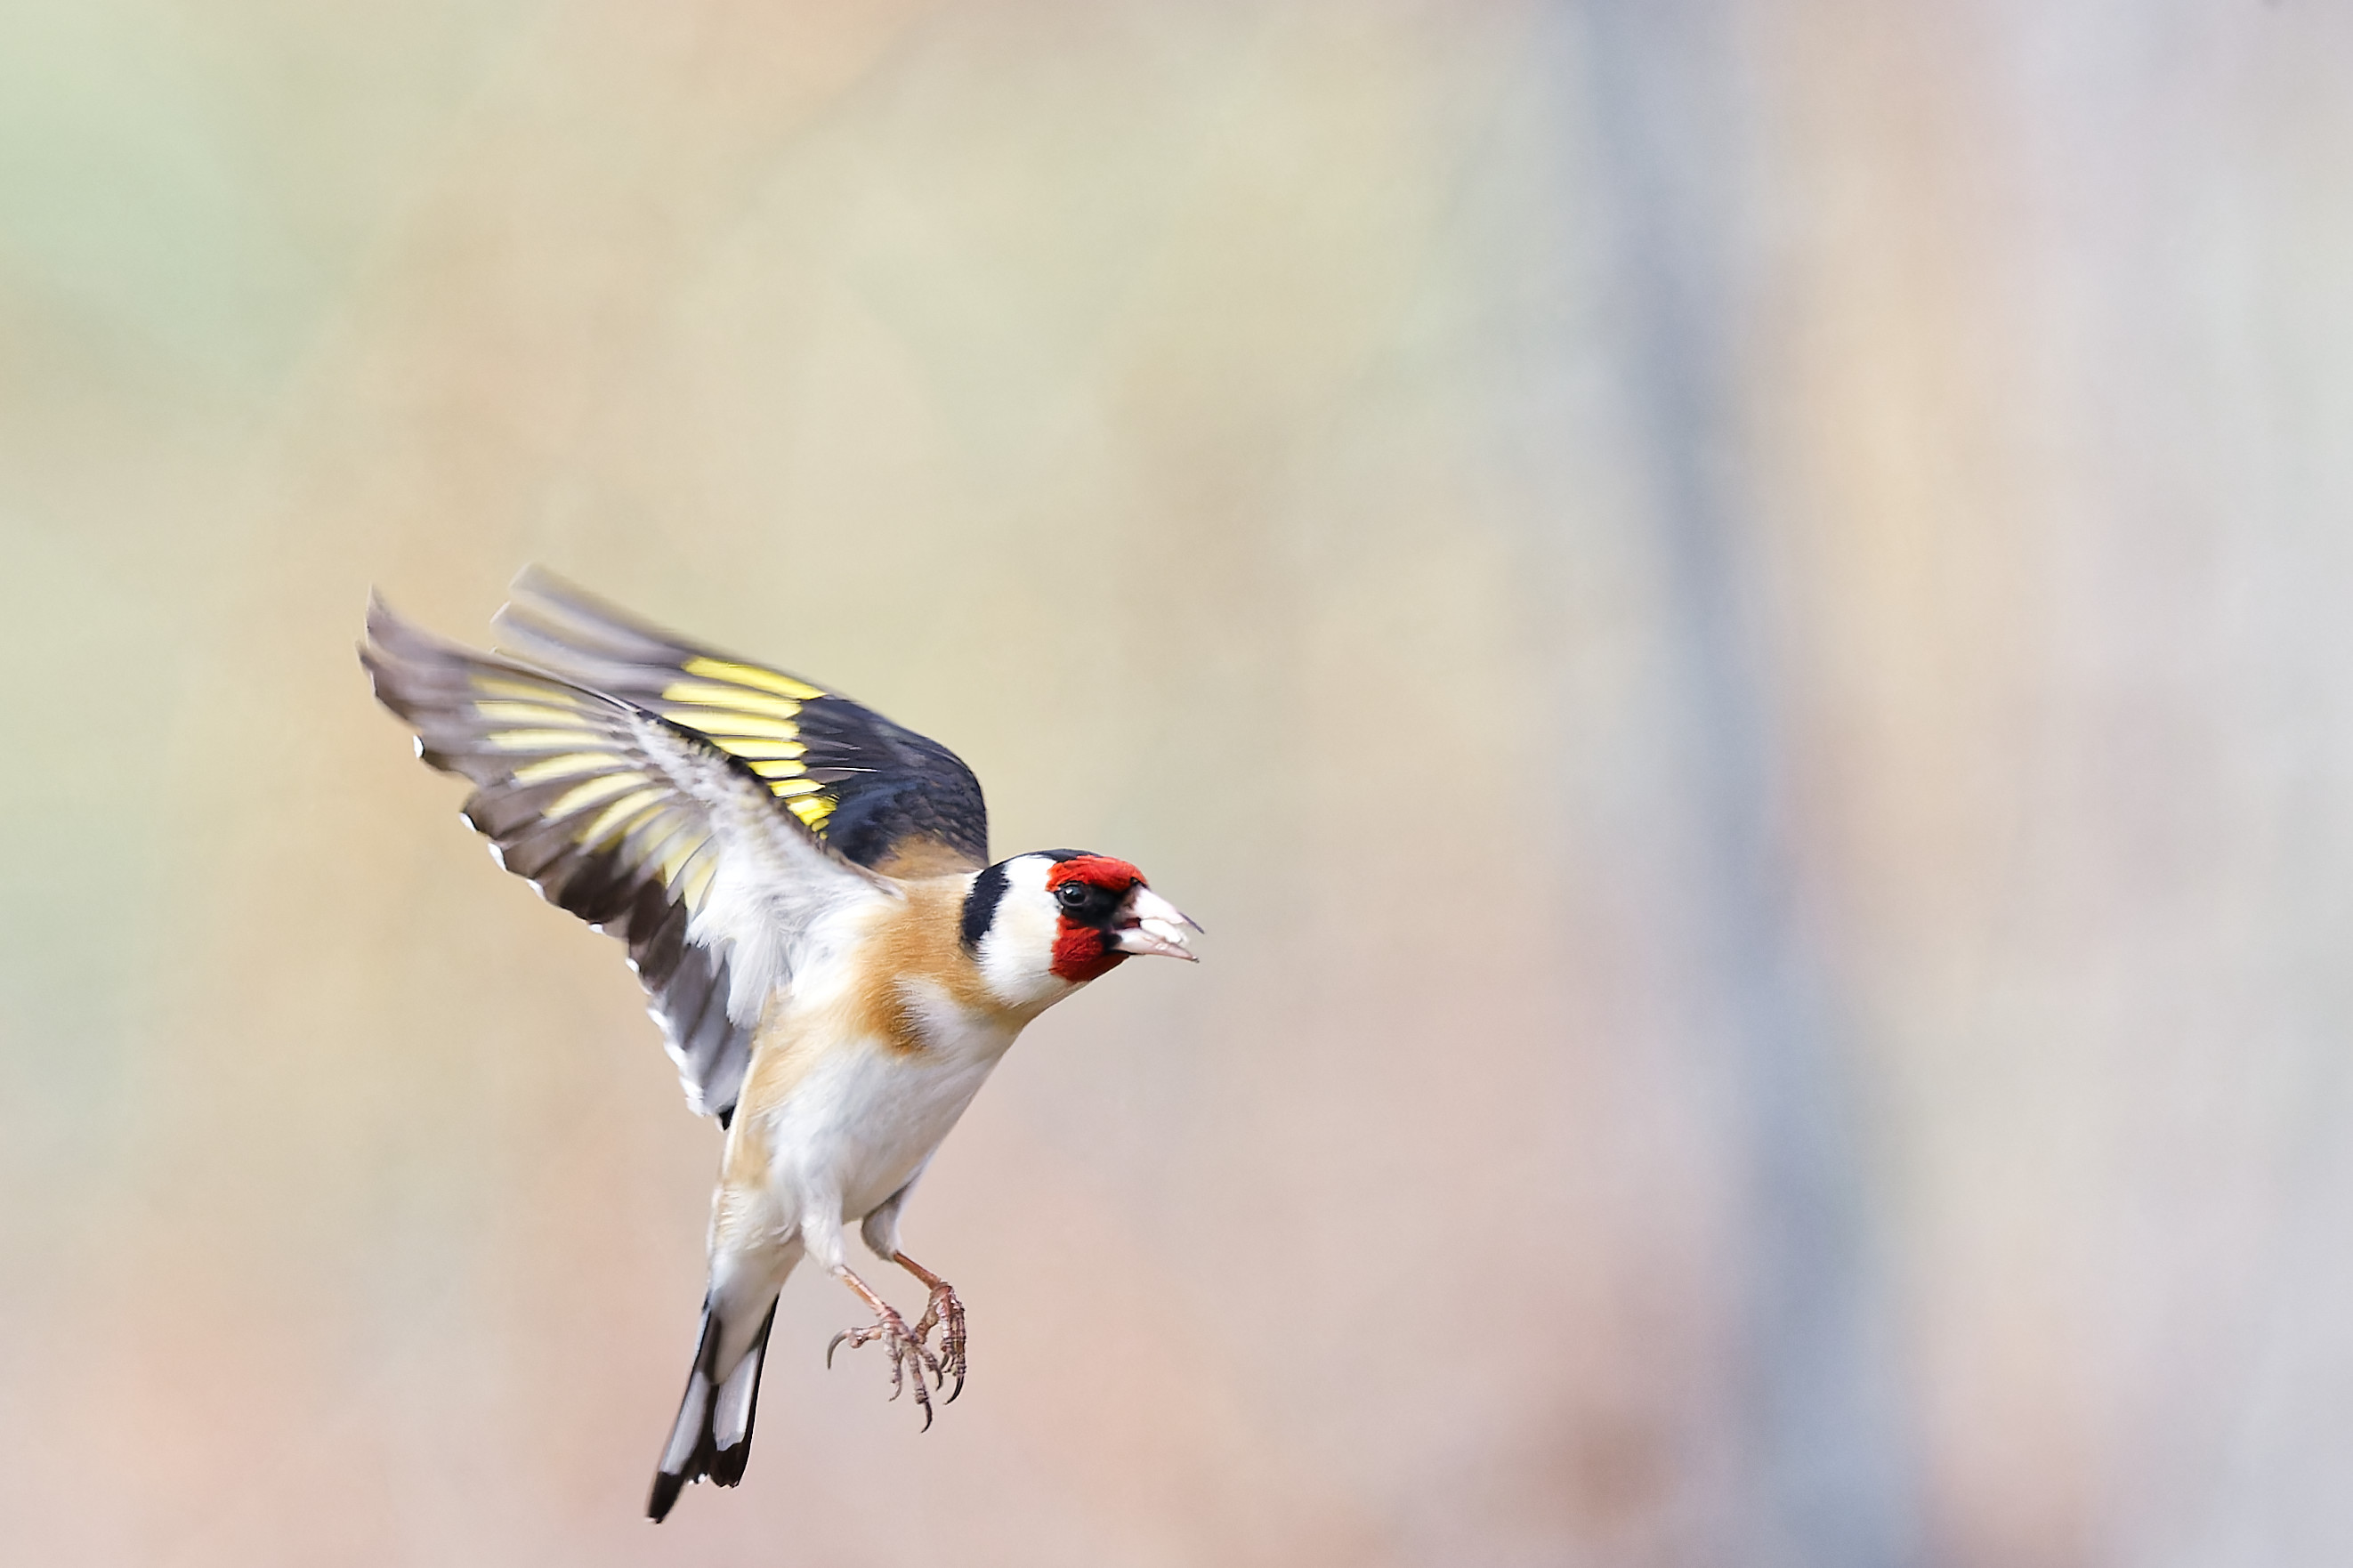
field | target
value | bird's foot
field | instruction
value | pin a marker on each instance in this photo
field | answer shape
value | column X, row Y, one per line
column 908, row 1356
column 946, row 1313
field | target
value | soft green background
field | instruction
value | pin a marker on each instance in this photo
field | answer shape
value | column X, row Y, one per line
column 1736, row 616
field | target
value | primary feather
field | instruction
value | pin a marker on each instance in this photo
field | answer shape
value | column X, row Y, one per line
column 635, row 823
column 880, row 794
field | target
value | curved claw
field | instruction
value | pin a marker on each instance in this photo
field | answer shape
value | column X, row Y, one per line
column 944, row 1312
column 905, row 1352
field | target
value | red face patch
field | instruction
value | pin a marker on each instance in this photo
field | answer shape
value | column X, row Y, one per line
column 1096, row 871
column 1082, row 949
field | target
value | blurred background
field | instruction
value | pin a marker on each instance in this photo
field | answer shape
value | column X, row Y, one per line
column 1734, row 615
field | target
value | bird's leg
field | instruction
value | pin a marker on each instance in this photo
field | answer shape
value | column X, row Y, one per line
column 905, row 1350
column 946, row 1313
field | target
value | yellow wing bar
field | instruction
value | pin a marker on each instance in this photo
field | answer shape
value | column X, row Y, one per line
column 755, row 714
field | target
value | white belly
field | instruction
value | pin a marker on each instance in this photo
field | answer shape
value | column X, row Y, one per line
column 865, row 1117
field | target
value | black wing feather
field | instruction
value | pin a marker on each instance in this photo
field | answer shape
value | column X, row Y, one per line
column 640, row 876
column 880, row 794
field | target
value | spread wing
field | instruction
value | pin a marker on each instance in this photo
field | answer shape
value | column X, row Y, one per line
column 880, row 794
column 641, row 826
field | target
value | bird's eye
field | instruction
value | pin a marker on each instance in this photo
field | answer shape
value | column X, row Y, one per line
column 1073, row 894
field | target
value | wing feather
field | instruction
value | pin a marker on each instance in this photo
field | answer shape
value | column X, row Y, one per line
column 635, row 823
column 880, row 794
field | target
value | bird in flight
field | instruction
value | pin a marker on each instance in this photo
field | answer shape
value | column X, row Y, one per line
column 806, row 892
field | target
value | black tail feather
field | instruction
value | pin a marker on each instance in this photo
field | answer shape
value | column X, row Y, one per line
column 700, row 1406
column 665, row 1492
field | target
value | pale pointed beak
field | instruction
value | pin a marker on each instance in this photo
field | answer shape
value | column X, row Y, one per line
column 1148, row 923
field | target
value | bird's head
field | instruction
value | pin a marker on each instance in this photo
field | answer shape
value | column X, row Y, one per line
column 1042, row 922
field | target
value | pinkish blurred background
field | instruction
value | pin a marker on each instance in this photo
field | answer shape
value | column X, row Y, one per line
column 1735, row 616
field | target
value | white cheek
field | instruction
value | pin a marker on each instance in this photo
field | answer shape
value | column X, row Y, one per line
column 1016, row 956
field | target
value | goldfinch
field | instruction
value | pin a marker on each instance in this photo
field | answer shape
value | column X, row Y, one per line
column 806, row 895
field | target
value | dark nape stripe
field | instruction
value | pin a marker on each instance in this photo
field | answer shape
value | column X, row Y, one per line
column 980, row 905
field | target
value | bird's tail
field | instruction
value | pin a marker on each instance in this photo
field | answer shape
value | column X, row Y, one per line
column 712, row 1435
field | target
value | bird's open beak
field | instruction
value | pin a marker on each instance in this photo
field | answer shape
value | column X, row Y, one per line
column 1147, row 922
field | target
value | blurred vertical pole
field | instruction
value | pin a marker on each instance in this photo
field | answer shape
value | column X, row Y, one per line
column 1822, row 1448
